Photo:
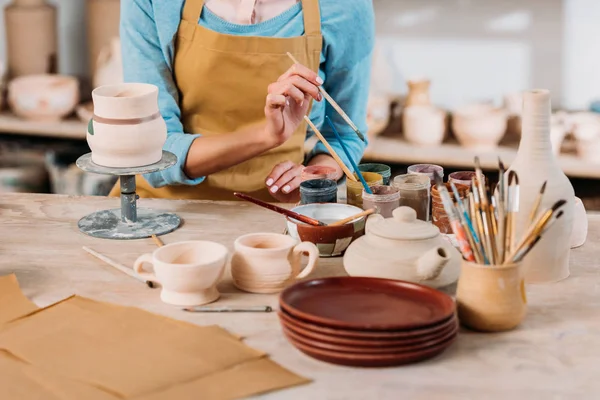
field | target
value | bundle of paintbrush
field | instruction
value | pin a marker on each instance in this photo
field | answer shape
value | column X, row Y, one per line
column 484, row 225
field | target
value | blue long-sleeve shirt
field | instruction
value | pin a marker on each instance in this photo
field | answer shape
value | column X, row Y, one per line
column 148, row 29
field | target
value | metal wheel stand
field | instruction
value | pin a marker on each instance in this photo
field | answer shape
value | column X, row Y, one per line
column 128, row 222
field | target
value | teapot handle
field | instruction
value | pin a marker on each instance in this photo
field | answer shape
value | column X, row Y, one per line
column 372, row 220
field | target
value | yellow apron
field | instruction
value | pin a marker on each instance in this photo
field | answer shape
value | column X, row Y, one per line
column 223, row 80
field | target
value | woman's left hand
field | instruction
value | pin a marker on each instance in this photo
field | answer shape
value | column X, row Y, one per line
column 284, row 180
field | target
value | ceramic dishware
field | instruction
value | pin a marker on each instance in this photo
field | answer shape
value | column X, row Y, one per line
column 330, row 240
column 418, row 92
column 85, row 111
column 269, row 262
column 383, row 199
column 187, row 271
column 479, row 126
column 318, row 191
column 366, row 303
column 535, row 163
column 586, row 130
column 354, row 189
column 382, row 169
column 127, row 129
column 43, row 98
column 491, row 298
column 424, row 125
column 580, row 224
column 403, row 248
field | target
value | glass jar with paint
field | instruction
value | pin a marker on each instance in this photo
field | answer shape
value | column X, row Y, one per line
column 384, row 200
column 318, row 172
column 384, row 170
column 461, row 177
column 354, row 189
column 414, row 191
column 318, row 191
column 426, row 169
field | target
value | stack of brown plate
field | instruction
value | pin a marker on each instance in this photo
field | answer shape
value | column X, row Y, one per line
column 438, row 213
column 367, row 322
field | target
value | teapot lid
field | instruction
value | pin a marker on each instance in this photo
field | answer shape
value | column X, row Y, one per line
column 404, row 225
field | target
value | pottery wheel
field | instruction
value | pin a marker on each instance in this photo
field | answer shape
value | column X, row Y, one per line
column 128, row 222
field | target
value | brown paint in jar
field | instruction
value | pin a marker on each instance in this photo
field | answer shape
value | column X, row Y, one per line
column 414, row 190
column 384, row 200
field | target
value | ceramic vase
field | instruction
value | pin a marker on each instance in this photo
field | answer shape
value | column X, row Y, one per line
column 102, row 27
column 491, row 298
column 31, row 37
column 534, row 164
column 418, row 92
column 424, row 125
column 127, row 129
column 479, row 126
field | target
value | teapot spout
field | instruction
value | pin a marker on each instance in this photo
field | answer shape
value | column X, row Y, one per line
column 431, row 264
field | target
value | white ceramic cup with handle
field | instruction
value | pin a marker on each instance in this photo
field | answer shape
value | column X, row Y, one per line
column 187, row 271
column 268, row 262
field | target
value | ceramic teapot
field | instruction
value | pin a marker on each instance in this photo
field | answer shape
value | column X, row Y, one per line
column 404, row 248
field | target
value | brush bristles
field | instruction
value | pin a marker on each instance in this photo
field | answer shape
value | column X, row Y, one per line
column 513, row 177
column 543, row 189
column 558, row 205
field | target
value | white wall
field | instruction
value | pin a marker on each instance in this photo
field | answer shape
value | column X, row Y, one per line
column 471, row 49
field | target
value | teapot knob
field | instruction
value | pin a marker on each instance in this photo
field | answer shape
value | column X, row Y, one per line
column 404, row 214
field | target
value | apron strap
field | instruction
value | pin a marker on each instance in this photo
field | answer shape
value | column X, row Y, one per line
column 192, row 10
column 312, row 17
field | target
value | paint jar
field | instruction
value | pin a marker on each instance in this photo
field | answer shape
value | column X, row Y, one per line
column 491, row 298
column 439, row 216
column 426, row 169
column 414, row 191
column 384, row 200
column 318, row 191
column 384, row 170
column 461, row 177
column 318, row 172
column 354, row 189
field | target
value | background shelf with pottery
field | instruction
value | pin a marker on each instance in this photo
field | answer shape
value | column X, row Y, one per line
column 71, row 128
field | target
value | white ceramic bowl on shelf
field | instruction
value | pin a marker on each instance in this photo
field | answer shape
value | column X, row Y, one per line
column 424, row 125
column 479, row 126
column 43, row 97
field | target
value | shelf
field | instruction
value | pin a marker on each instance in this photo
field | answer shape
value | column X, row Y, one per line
column 66, row 129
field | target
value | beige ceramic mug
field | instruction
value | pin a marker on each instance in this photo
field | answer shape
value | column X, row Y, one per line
column 268, row 262
column 188, row 271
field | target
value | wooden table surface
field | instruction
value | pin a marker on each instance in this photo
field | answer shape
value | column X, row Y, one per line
column 555, row 354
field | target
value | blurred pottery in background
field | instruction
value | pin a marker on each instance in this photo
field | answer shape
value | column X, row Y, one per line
column 586, row 129
column 378, row 114
column 557, row 135
column 43, row 97
column 418, row 92
column 103, row 18
column 85, row 111
column 424, row 125
column 580, row 224
column 513, row 104
column 479, row 126
column 109, row 66
column 127, row 129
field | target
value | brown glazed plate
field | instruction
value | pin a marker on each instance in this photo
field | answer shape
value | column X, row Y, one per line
column 368, row 350
column 370, row 304
column 368, row 360
column 386, row 343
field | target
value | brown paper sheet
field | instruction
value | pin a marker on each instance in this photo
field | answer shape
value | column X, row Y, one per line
column 124, row 352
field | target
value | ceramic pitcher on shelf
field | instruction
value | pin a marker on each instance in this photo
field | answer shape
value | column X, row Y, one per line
column 418, row 92
column 534, row 164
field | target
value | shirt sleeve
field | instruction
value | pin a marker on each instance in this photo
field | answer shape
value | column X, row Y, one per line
column 348, row 40
column 144, row 62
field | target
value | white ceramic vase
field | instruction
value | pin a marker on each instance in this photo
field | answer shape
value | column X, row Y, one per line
column 536, row 163
column 127, row 129
column 424, row 125
column 479, row 127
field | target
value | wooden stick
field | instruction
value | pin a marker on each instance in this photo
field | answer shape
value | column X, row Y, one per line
column 337, row 159
column 277, row 209
column 334, row 104
column 158, row 242
column 118, row 266
column 353, row 217
column 537, row 203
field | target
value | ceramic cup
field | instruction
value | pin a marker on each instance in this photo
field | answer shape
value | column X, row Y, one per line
column 188, row 271
column 269, row 262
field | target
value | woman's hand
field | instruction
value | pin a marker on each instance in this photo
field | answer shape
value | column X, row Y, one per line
column 284, row 182
column 287, row 102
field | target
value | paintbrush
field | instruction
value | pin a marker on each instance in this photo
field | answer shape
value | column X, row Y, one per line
column 334, row 105
column 332, row 152
column 501, row 207
column 353, row 217
column 486, row 214
column 512, row 210
column 280, row 210
column 537, row 228
column 537, row 203
column 119, row 267
column 476, row 217
column 467, row 225
column 354, row 166
column 521, row 254
column 225, row 309
column 457, row 228
column 158, row 242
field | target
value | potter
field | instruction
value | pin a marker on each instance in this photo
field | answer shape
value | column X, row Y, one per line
column 187, row 271
column 403, row 248
column 269, row 262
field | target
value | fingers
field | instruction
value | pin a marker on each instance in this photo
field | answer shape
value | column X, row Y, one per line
column 286, row 177
column 304, row 72
column 296, row 88
column 276, row 100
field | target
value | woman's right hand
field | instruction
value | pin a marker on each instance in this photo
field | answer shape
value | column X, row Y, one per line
column 288, row 100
